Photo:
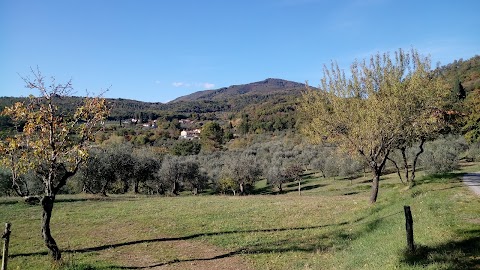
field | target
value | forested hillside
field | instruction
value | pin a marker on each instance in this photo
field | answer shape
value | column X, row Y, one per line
column 466, row 71
column 267, row 103
column 262, row 88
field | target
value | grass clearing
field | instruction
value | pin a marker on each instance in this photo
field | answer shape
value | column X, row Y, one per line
column 330, row 226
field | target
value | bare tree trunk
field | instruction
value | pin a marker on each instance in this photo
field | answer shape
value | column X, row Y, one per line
column 375, row 184
column 242, row 189
column 398, row 170
column 414, row 166
column 135, row 186
column 299, row 187
column 377, row 169
column 405, row 162
column 175, row 188
column 103, row 190
column 47, row 206
column 6, row 236
column 126, row 186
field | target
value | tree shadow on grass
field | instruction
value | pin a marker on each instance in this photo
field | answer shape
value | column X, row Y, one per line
column 304, row 188
column 72, row 199
column 365, row 181
column 447, row 188
column 95, row 198
column 281, row 246
column 456, row 255
column 266, row 190
column 287, row 188
column 188, row 237
column 9, row 202
column 451, row 177
column 337, row 239
column 320, row 243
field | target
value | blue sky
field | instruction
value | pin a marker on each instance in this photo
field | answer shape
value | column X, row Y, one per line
column 158, row 50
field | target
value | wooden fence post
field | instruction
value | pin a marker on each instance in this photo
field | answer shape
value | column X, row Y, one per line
column 409, row 228
column 6, row 236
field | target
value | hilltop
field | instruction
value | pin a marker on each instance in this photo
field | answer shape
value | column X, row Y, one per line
column 266, row 87
column 265, row 103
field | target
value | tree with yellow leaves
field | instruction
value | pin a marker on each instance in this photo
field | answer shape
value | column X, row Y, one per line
column 387, row 102
column 50, row 142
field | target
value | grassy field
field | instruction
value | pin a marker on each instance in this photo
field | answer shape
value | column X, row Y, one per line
column 330, row 226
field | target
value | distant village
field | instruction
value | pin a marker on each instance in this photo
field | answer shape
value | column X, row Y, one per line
column 186, row 134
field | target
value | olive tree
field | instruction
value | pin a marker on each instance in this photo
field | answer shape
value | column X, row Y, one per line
column 243, row 170
column 53, row 142
column 380, row 104
column 169, row 174
column 443, row 154
column 179, row 172
column 145, row 165
column 97, row 174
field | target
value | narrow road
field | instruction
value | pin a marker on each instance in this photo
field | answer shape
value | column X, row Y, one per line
column 472, row 180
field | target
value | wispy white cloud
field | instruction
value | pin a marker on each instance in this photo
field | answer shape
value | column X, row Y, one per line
column 180, row 84
column 204, row 85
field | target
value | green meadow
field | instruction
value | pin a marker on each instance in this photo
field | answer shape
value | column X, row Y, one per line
column 330, row 225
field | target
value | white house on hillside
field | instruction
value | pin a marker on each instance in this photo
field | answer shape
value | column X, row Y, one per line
column 190, row 134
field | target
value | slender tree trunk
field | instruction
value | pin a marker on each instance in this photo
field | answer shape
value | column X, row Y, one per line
column 375, row 184
column 299, row 187
column 398, row 170
column 126, row 186
column 175, row 188
column 414, row 166
column 103, row 191
column 405, row 162
column 135, row 187
column 242, row 189
column 47, row 206
column 6, row 236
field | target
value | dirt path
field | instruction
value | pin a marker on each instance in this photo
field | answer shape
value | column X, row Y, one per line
column 472, row 180
column 177, row 255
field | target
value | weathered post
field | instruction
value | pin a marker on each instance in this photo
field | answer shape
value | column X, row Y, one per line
column 6, row 236
column 409, row 228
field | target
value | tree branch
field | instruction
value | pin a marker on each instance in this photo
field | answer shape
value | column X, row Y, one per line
column 398, row 169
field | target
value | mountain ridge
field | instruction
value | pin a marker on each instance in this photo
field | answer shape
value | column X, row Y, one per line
column 268, row 86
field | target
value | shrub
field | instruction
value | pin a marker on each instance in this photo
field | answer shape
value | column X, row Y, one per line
column 442, row 155
column 473, row 152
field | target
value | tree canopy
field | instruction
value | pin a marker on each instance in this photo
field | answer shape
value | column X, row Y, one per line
column 386, row 101
column 211, row 136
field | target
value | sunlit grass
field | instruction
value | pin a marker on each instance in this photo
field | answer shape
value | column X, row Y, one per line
column 330, row 225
